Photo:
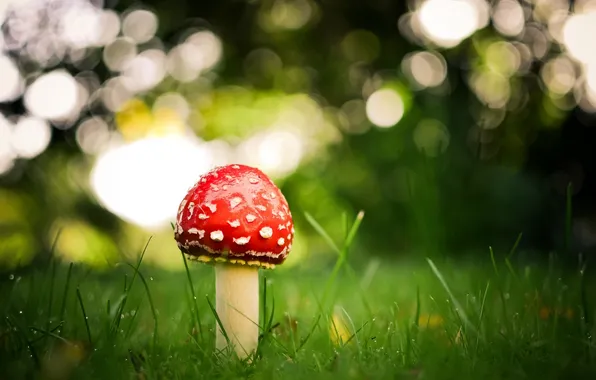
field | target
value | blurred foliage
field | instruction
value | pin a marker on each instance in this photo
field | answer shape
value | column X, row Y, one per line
column 470, row 163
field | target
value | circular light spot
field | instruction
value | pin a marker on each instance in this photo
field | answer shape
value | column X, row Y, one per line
column 508, row 17
column 110, row 27
column 140, row 25
column 361, row 45
column 448, row 22
column 53, row 96
column 503, row 57
column 384, row 108
column 578, row 36
column 172, row 101
column 7, row 154
column 30, row 136
column 145, row 71
column 152, row 171
column 209, row 46
column 426, row 68
column 10, row 77
column 431, row 137
column 558, row 75
column 93, row 135
column 119, row 53
column 184, row 62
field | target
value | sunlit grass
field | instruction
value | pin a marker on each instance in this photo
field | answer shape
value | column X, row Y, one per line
column 408, row 319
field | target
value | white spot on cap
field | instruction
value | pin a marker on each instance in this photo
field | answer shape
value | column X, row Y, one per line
column 196, row 231
column 235, row 202
column 266, row 232
column 216, row 235
column 272, row 195
column 211, row 207
column 289, row 236
column 203, row 180
column 182, row 205
column 265, row 197
column 214, row 187
column 191, row 209
column 281, row 227
column 253, row 180
column 261, row 207
column 281, row 214
column 292, row 229
column 250, row 218
column 228, row 176
column 235, row 166
column 234, row 223
column 225, row 187
column 280, row 241
column 203, row 216
column 215, row 174
column 241, row 240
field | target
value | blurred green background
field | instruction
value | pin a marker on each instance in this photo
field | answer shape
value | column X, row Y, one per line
column 454, row 124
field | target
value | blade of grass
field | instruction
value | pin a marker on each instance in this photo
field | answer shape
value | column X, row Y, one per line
column 218, row 320
column 85, row 318
column 338, row 264
column 51, row 295
column 460, row 311
column 117, row 320
column 151, row 304
column 194, row 297
column 342, row 257
column 417, row 315
column 568, row 216
column 65, row 293
column 133, row 319
column 515, row 245
column 321, row 231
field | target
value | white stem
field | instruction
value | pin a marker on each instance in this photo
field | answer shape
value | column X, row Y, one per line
column 237, row 305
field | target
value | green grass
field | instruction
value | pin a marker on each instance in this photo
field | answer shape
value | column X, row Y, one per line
column 489, row 318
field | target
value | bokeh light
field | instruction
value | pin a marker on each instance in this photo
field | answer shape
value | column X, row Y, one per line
column 7, row 153
column 10, row 79
column 426, row 69
column 142, row 182
column 30, row 136
column 448, row 22
column 431, row 137
column 385, row 108
column 52, row 96
column 277, row 153
column 139, row 25
column 508, row 17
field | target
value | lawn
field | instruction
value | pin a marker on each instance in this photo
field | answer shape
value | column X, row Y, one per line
column 410, row 319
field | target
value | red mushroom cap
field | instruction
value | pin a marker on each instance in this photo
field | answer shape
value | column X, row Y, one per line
column 235, row 214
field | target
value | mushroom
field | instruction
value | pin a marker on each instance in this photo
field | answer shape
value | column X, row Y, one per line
column 236, row 218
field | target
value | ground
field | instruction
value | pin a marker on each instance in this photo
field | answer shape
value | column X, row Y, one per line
column 389, row 319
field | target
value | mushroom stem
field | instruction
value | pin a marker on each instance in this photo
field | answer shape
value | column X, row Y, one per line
column 237, row 306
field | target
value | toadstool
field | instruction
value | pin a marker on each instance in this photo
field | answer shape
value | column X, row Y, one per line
column 236, row 218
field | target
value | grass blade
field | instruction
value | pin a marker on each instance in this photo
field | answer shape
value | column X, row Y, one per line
column 460, row 311
column 321, row 231
column 568, row 216
column 151, row 304
column 85, row 318
column 194, row 297
column 515, row 245
column 218, row 320
column 65, row 293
